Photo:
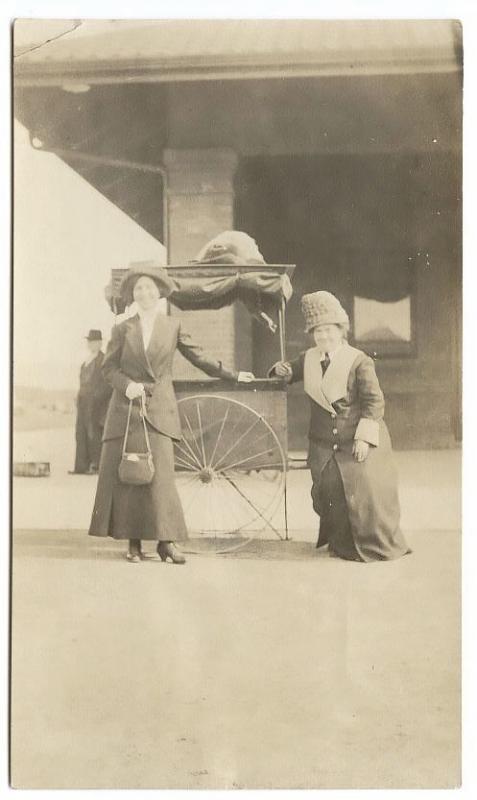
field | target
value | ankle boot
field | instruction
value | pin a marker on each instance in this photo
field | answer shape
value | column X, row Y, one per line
column 168, row 550
column 134, row 553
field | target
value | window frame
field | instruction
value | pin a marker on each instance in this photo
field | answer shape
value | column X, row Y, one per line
column 388, row 349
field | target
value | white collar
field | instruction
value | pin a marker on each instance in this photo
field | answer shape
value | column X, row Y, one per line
column 149, row 314
column 331, row 353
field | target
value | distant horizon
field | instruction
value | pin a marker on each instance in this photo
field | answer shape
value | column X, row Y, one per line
column 44, row 388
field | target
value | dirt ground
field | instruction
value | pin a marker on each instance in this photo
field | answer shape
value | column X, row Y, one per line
column 278, row 668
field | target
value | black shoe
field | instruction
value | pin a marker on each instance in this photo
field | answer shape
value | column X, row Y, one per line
column 168, row 550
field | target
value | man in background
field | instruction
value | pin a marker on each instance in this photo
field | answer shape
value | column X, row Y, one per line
column 91, row 406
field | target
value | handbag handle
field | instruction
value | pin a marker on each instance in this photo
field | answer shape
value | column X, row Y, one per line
column 142, row 415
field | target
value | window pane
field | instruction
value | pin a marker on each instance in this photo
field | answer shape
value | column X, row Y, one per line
column 375, row 321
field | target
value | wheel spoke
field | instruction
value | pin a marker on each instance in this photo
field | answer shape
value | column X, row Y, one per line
column 188, row 445
column 185, row 453
column 250, row 458
column 273, row 465
column 262, row 436
column 235, row 504
column 199, row 418
column 236, row 424
column 255, row 485
column 226, row 527
column 193, row 436
column 220, row 434
column 190, row 467
column 252, row 426
column 256, row 492
column 232, row 483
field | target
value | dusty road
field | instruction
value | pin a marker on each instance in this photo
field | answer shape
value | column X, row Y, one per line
column 276, row 669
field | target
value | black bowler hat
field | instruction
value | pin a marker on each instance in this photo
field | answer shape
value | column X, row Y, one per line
column 94, row 336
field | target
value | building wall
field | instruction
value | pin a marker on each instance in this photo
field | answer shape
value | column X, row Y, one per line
column 337, row 217
column 365, row 114
column 200, row 198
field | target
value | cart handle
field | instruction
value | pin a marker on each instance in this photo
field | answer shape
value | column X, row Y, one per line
column 281, row 329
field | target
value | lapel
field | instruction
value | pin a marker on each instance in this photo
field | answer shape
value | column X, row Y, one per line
column 313, row 378
column 134, row 337
column 160, row 342
column 335, row 379
column 326, row 389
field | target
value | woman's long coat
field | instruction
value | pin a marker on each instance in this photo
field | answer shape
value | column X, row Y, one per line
column 153, row 511
column 347, row 404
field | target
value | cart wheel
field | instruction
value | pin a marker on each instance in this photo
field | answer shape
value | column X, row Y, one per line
column 230, row 473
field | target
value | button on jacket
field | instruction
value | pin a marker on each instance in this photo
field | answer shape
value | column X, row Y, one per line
column 347, row 402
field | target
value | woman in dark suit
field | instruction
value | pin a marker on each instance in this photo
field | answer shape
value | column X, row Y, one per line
column 138, row 364
column 350, row 456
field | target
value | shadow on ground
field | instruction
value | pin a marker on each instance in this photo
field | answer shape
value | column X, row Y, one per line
column 78, row 545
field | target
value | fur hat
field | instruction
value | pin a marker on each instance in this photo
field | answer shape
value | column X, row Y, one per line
column 137, row 270
column 322, row 308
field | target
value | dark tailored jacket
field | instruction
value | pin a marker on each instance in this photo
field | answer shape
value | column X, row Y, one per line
column 357, row 414
column 126, row 360
column 94, row 392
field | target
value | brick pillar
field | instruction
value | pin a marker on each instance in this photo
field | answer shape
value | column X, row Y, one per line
column 200, row 196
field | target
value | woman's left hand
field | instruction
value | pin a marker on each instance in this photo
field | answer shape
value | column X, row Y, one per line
column 360, row 450
column 245, row 377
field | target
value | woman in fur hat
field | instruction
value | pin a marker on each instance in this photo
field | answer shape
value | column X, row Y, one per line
column 138, row 365
column 350, row 456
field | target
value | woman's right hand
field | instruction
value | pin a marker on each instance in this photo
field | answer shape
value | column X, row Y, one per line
column 283, row 369
column 134, row 390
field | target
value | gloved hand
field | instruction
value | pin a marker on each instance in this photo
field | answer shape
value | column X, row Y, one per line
column 134, row 390
column 360, row 450
column 245, row 377
column 283, row 369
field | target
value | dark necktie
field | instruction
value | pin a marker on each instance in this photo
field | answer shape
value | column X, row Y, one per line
column 325, row 363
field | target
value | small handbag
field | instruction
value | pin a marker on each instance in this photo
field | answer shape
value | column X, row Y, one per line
column 136, row 468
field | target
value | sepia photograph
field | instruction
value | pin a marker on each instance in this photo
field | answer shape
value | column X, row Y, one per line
column 236, row 403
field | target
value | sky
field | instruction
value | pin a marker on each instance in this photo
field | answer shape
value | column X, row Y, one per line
column 67, row 237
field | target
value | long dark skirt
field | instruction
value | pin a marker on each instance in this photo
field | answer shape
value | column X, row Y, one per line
column 358, row 503
column 335, row 529
column 138, row 512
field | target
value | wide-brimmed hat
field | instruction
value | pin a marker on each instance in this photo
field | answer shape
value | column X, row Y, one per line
column 137, row 270
column 94, row 336
column 322, row 308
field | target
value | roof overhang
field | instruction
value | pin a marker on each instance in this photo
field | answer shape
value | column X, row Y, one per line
column 123, row 51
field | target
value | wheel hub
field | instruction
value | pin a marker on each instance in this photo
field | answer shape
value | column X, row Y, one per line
column 206, row 475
